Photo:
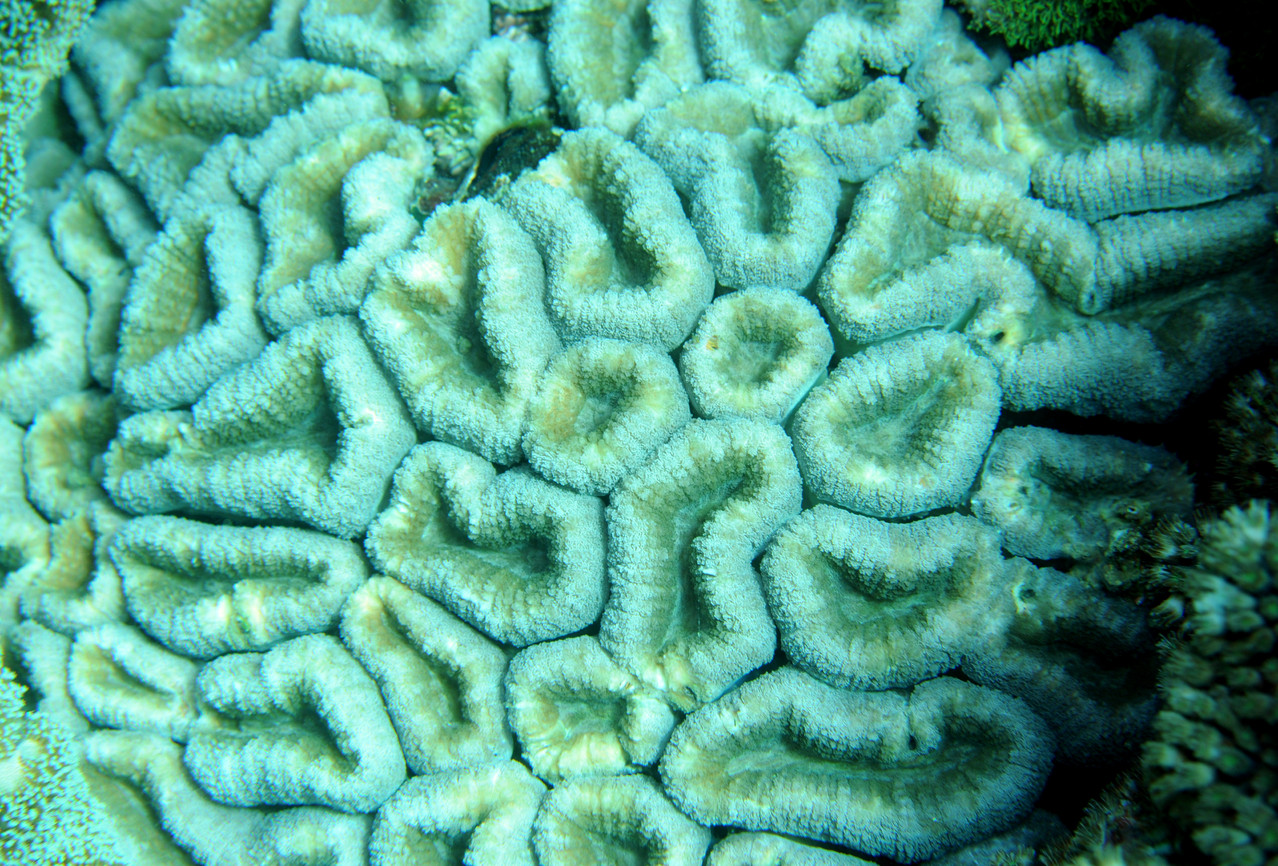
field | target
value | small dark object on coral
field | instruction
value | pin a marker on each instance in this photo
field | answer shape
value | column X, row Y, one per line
column 508, row 154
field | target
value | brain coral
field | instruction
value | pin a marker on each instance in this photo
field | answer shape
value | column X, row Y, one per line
column 350, row 516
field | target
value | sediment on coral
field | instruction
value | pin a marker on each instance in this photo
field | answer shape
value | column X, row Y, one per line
column 597, row 432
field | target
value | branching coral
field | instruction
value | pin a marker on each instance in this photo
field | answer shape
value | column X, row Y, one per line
column 1039, row 24
column 1210, row 759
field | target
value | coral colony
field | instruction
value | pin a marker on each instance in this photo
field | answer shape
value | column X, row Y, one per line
column 598, row 433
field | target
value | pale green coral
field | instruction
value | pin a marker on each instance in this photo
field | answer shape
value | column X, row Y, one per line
column 649, row 57
column 576, row 712
column 63, row 450
column 221, row 41
column 350, row 761
column 486, row 811
column 140, row 778
column 1054, row 495
column 316, row 265
column 621, row 258
column 763, row 202
column 827, row 48
column 24, row 534
column 528, row 298
column 165, row 133
column 120, row 679
column 188, row 315
column 755, row 353
column 766, row 849
column 42, row 321
column 685, row 612
column 38, row 658
column 1120, row 318
column 78, row 587
column 512, row 554
column 926, row 205
column 47, row 815
column 440, row 679
column 1116, row 149
column 900, row 428
column 206, row 589
column 615, row 820
column 331, row 427
column 861, row 603
column 425, row 39
column 456, row 318
column 828, row 754
column 100, row 234
column 1081, row 659
column 601, row 407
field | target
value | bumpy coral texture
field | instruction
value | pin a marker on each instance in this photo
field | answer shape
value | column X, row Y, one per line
column 34, row 43
column 642, row 508
column 1211, row 758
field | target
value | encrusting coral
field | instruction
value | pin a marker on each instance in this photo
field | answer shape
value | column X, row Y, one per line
column 593, row 432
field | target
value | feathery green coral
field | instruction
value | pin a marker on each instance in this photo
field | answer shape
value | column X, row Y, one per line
column 1039, row 24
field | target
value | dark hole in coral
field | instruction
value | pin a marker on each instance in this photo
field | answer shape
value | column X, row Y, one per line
column 509, row 153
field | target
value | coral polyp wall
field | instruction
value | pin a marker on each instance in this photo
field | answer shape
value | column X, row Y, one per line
column 595, row 440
